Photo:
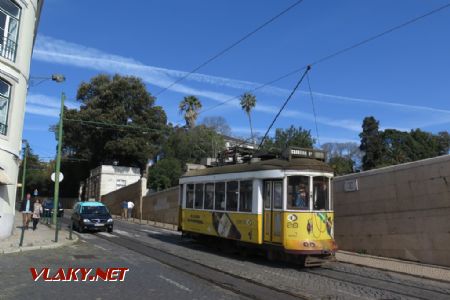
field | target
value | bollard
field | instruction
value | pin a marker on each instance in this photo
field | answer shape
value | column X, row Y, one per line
column 56, row 229
column 71, row 229
column 21, row 236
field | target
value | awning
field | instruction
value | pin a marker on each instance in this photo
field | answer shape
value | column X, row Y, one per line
column 4, row 179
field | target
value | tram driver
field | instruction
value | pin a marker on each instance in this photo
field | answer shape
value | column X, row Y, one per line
column 300, row 198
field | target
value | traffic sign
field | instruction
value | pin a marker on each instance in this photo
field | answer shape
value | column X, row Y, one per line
column 61, row 176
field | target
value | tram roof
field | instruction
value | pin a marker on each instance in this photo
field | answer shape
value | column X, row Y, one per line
column 300, row 164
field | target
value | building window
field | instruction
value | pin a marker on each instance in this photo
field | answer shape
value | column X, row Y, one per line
column 9, row 28
column 5, row 92
column 120, row 183
column 245, row 196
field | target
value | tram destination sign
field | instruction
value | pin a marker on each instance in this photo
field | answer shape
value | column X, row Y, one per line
column 295, row 152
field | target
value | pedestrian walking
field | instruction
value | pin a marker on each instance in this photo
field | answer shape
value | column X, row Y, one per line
column 124, row 209
column 37, row 211
column 26, row 208
column 130, row 208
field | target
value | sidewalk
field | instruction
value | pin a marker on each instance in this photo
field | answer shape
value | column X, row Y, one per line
column 395, row 265
column 42, row 238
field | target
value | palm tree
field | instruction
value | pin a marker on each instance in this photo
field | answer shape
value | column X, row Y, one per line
column 190, row 106
column 248, row 102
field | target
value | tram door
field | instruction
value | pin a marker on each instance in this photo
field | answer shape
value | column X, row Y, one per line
column 273, row 204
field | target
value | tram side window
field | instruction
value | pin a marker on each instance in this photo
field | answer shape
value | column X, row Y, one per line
column 209, row 195
column 321, row 193
column 232, row 195
column 245, row 197
column 278, row 195
column 220, row 196
column 267, row 193
column 190, row 196
column 198, row 203
column 298, row 192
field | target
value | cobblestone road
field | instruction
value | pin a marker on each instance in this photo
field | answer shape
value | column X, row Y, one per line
column 334, row 281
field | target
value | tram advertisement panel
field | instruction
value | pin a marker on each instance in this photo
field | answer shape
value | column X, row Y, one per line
column 235, row 226
column 309, row 231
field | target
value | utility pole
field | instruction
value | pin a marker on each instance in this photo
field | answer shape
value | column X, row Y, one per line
column 24, row 169
column 58, row 167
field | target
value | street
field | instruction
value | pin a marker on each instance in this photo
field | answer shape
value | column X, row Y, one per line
column 161, row 264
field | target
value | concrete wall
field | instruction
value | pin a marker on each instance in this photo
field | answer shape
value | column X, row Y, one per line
column 161, row 206
column 401, row 211
column 16, row 74
column 133, row 192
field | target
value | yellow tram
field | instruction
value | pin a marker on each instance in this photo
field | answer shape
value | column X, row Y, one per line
column 282, row 205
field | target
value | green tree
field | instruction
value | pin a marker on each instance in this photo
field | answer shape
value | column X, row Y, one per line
column 190, row 107
column 37, row 175
column 340, row 155
column 285, row 138
column 248, row 102
column 190, row 146
column 371, row 144
column 341, row 165
column 118, row 100
column 164, row 174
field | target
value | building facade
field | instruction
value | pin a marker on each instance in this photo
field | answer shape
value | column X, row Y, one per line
column 18, row 25
column 105, row 179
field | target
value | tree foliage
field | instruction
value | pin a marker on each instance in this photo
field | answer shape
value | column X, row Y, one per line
column 285, row 138
column 371, row 143
column 248, row 102
column 164, row 174
column 218, row 124
column 343, row 157
column 190, row 106
column 391, row 146
column 37, row 175
column 118, row 100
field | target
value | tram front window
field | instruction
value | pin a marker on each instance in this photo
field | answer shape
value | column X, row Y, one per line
column 298, row 192
column 321, row 193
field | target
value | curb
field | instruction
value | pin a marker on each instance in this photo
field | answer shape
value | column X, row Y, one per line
column 66, row 242
column 421, row 270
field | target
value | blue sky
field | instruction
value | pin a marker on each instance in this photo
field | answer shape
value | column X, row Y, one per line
column 402, row 79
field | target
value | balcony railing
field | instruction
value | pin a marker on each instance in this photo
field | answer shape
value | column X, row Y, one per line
column 3, row 128
column 8, row 48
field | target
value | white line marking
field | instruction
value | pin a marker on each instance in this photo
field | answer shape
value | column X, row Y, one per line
column 151, row 231
column 178, row 285
column 121, row 232
column 100, row 247
column 107, row 234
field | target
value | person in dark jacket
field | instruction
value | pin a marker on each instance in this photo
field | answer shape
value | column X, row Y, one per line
column 26, row 208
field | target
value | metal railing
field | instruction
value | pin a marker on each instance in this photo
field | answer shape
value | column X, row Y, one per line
column 8, row 48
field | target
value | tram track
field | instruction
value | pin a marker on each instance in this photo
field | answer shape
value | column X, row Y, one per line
column 197, row 269
column 241, row 285
column 237, row 284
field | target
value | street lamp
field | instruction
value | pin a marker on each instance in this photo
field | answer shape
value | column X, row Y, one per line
column 24, row 166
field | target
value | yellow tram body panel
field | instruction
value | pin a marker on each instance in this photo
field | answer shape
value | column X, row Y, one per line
column 245, row 227
column 296, row 232
column 309, row 231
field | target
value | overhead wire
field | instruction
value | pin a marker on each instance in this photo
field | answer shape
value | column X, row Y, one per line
column 246, row 36
column 283, row 106
column 336, row 53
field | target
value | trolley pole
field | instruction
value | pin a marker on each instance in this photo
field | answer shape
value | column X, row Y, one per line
column 58, row 167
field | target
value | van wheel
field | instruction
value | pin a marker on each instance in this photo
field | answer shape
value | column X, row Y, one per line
column 80, row 228
column 110, row 230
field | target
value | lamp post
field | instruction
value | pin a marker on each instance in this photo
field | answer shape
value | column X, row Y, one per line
column 58, row 166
